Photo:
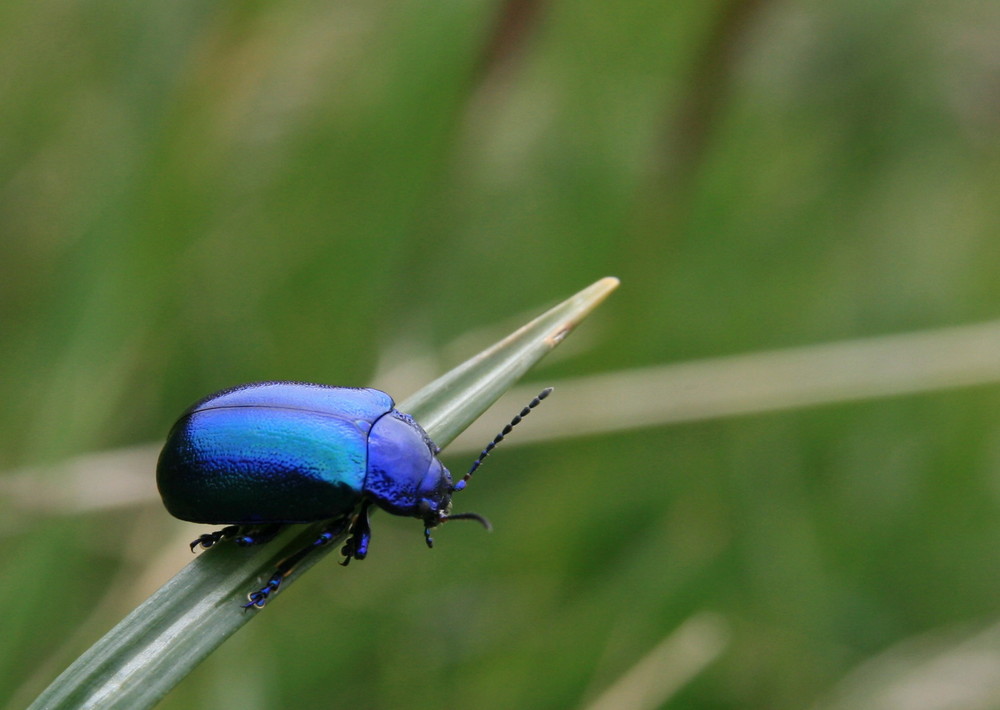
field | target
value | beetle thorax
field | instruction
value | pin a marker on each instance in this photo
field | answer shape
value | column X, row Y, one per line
column 404, row 475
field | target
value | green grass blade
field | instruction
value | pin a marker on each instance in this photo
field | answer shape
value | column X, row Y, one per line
column 450, row 403
column 136, row 663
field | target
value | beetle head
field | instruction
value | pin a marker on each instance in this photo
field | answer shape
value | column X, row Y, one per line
column 437, row 510
column 433, row 517
column 434, row 507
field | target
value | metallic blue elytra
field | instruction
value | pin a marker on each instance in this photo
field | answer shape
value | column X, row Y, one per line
column 264, row 455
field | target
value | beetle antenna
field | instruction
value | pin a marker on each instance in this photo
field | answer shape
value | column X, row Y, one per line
column 470, row 516
column 500, row 437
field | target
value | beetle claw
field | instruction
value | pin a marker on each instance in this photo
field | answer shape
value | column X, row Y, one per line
column 208, row 540
column 259, row 598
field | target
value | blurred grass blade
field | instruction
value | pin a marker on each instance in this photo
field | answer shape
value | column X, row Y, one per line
column 154, row 647
column 954, row 667
column 671, row 665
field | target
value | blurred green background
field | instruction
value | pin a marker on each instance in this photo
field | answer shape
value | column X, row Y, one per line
column 195, row 195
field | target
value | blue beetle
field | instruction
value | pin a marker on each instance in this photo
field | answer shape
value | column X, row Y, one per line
column 265, row 455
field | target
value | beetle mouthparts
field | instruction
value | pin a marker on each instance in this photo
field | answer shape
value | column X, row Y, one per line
column 469, row 516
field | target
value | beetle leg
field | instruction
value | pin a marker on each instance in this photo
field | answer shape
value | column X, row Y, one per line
column 286, row 566
column 258, row 534
column 361, row 534
column 208, row 539
column 247, row 535
column 259, row 598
